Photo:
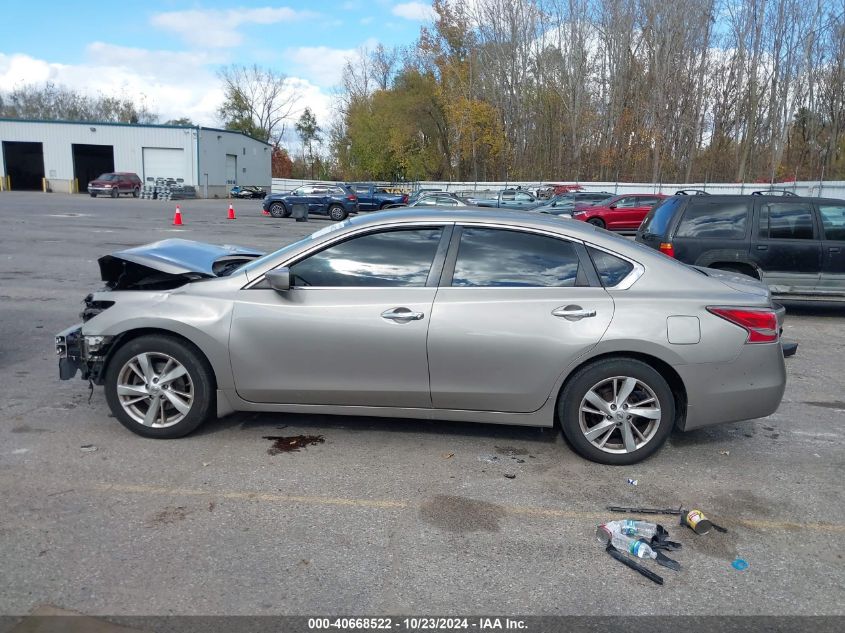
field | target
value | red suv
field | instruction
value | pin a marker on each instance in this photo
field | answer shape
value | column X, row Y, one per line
column 115, row 183
column 620, row 213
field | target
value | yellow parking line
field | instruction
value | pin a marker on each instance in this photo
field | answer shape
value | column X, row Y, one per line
column 391, row 504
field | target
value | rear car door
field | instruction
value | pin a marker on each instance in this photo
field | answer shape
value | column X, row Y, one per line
column 522, row 200
column 832, row 216
column 351, row 330
column 514, row 308
column 786, row 246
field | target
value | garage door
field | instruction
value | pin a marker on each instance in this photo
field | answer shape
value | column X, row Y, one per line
column 164, row 162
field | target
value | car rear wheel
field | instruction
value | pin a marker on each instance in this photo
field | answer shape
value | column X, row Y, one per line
column 277, row 210
column 92, row 194
column 114, row 192
column 136, row 192
column 159, row 386
column 597, row 222
column 337, row 213
column 617, row 411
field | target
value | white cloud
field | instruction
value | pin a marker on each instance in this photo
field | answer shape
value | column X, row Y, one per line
column 218, row 28
column 194, row 91
column 324, row 65
column 417, row 11
column 366, row 21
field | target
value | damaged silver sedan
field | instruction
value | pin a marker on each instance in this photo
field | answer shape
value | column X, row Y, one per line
column 494, row 317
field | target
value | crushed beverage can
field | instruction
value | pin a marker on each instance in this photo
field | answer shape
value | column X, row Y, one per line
column 695, row 520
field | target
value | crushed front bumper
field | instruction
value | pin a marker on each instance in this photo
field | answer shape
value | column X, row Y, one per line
column 80, row 353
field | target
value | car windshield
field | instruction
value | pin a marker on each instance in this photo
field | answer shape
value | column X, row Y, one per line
column 107, row 177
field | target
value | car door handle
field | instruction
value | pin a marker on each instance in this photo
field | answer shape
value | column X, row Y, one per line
column 762, row 247
column 573, row 313
column 833, row 249
column 402, row 315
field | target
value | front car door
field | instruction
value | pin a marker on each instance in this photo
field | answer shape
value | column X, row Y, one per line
column 832, row 215
column 523, row 200
column 351, row 330
column 514, row 309
column 786, row 246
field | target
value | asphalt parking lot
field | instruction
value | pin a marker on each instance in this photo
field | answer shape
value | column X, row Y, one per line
column 385, row 516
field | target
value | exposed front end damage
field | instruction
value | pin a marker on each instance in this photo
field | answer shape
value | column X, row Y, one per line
column 80, row 353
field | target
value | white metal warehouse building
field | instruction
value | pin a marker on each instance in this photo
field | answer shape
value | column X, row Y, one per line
column 65, row 155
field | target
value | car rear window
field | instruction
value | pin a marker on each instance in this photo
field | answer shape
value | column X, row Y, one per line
column 658, row 219
column 611, row 269
column 833, row 219
column 714, row 220
column 786, row 221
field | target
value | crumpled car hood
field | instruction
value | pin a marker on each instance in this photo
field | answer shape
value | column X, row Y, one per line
column 170, row 263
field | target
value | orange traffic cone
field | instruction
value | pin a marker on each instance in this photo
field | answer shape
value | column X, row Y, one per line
column 231, row 213
column 177, row 217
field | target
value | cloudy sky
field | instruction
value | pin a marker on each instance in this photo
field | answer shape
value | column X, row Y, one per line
column 168, row 51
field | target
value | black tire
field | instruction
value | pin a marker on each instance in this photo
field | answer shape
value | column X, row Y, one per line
column 338, row 213
column 278, row 210
column 597, row 222
column 198, row 370
column 92, row 194
column 114, row 192
column 136, row 192
column 585, row 379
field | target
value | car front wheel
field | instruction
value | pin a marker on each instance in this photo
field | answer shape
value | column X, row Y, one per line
column 159, row 386
column 617, row 411
column 114, row 192
column 597, row 222
column 277, row 210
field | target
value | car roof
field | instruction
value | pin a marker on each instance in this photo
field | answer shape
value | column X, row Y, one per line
column 747, row 196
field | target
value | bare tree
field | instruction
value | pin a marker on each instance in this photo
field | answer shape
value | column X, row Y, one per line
column 258, row 101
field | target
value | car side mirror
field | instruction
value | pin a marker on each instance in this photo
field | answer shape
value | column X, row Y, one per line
column 279, row 279
column 613, row 206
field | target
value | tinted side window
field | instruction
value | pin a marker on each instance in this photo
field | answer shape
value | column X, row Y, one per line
column 833, row 219
column 611, row 269
column 786, row 221
column 496, row 257
column 391, row 258
column 725, row 221
column 657, row 221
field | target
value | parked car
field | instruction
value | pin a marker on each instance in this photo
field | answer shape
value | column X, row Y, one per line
column 434, row 199
column 618, row 213
column 247, row 193
column 507, row 199
column 336, row 201
column 373, row 197
column 482, row 316
column 564, row 204
column 794, row 245
column 114, row 183
column 550, row 190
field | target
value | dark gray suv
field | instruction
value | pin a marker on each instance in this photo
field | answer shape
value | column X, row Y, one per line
column 795, row 245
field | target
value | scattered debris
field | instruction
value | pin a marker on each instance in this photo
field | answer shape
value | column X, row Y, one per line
column 740, row 564
column 693, row 519
column 292, row 444
column 44, row 551
column 20, row 451
column 211, row 506
column 490, row 459
column 510, row 451
column 724, row 452
column 634, row 482
column 88, row 448
column 510, row 476
column 204, row 464
column 447, row 455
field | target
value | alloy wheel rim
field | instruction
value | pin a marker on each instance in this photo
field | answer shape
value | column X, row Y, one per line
column 619, row 415
column 155, row 390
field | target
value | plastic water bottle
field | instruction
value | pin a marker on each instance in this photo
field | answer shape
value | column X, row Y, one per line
column 643, row 529
column 623, row 542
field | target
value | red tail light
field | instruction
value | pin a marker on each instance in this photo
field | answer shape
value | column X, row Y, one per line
column 351, row 197
column 761, row 325
column 667, row 249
